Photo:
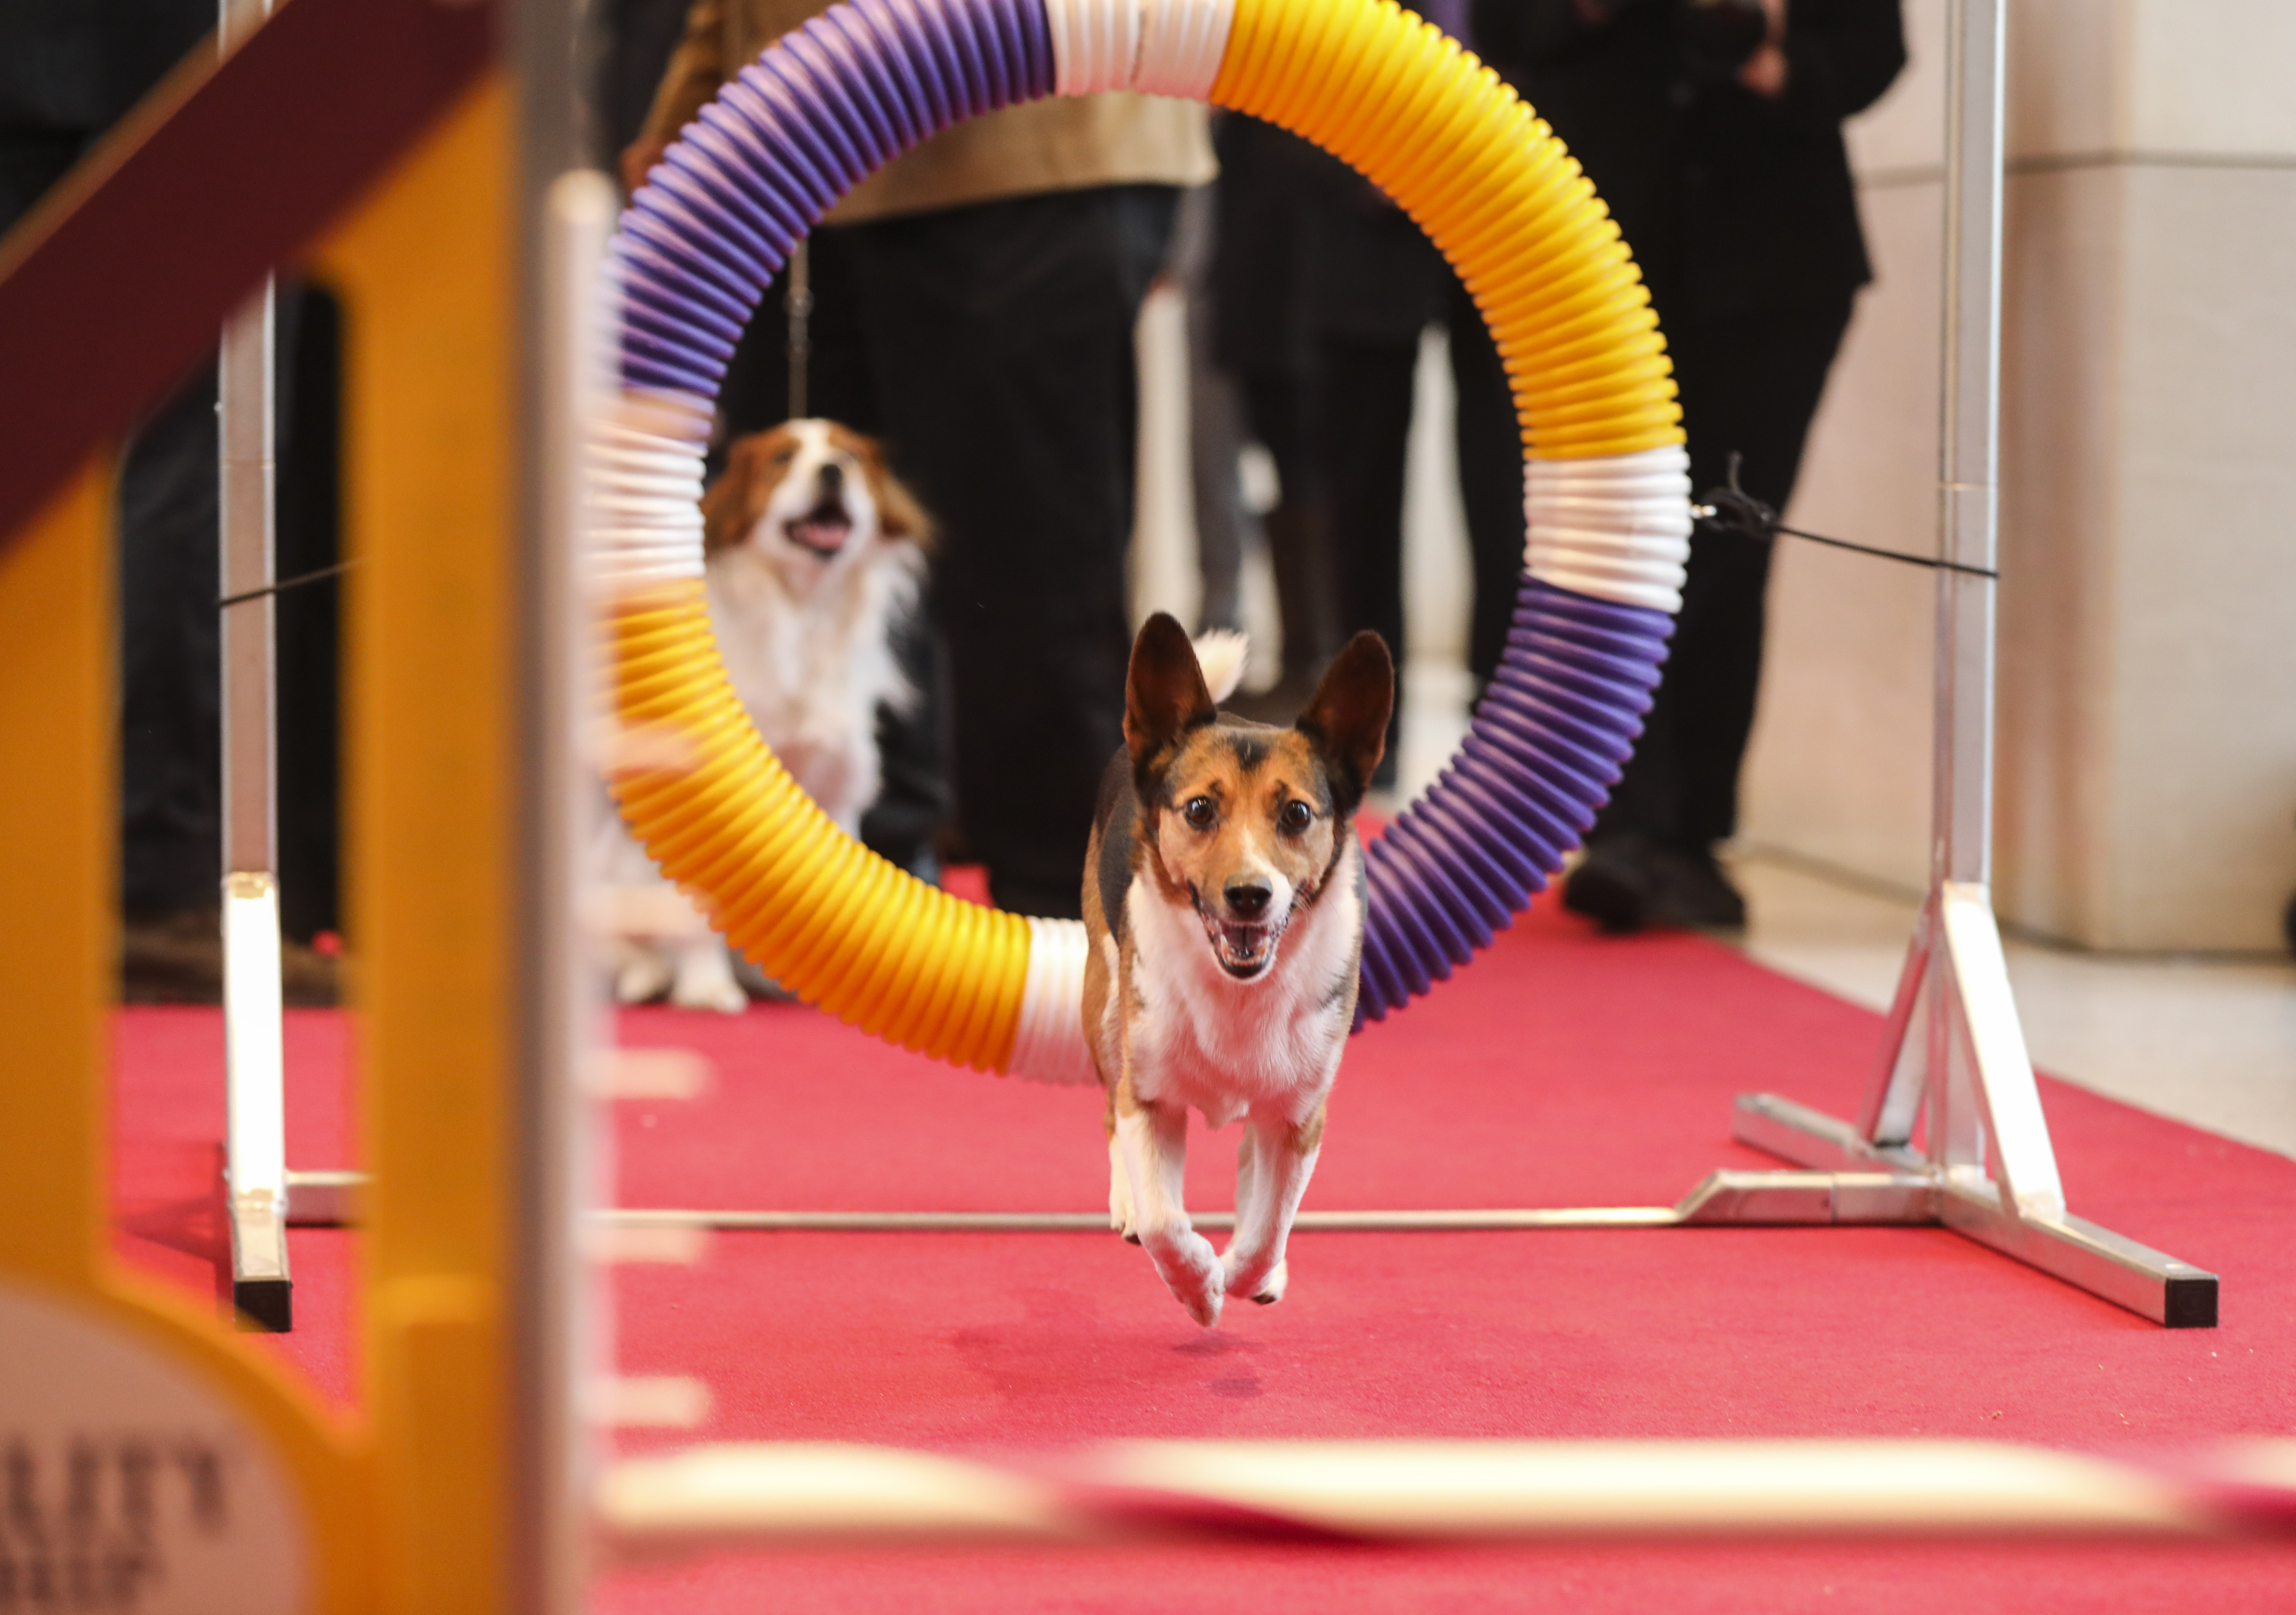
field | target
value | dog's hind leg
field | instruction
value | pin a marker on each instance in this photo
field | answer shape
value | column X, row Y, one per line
column 1154, row 1141
column 1250, row 1185
column 1283, row 1158
column 642, row 971
column 1248, row 1180
column 1120, row 1187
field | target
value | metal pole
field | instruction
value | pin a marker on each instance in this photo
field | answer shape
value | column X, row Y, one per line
column 254, row 1057
column 1954, row 1043
column 565, row 216
column 1983, row 1099
column 1968, row 468
column 820, row 1495
column 558, row 1342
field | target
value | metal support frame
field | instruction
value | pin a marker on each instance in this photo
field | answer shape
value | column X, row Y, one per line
column 1954, row 1049
column 814, row 1494
column 254, row 1057
column 265, row 1195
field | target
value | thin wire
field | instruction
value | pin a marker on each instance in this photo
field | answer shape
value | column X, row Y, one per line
column 1931, row 562
column 284, row 584
column 1734, row 510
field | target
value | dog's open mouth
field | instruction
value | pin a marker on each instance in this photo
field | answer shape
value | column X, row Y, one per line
column 821, row 531
column 1243, row 951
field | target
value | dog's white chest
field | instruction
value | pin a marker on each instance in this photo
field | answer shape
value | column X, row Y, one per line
column 812, row 673
column 1226, row 1047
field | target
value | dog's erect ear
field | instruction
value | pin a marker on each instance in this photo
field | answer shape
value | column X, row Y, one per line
column 1347, row 718
column 734, row 501
column 899, row 514
column 1164, row 694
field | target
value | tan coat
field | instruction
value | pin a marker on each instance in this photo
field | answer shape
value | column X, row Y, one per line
column 1061, row 144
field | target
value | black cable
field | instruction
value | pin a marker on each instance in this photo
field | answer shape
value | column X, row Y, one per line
column 284, row 584
column 1735, row 511
column 1931, row 562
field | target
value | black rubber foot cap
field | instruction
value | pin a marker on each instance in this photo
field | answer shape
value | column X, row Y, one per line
column 265, row 1304
column 2190, row 1303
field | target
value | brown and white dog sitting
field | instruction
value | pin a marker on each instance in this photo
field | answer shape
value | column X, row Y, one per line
column 814, row 555
column 1224, row 899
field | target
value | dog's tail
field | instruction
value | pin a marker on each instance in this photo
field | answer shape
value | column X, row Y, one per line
column 1221, row 653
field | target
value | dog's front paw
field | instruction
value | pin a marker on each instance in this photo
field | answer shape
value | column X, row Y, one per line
column 645, row 976
column 705, row 980
column 1271, row 1288
column 726, row 997
column 1191, row 1271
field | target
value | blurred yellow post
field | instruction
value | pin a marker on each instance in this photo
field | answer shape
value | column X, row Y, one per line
column 404, row 1510
column 426, row 272
column 55, row 867
column 58, row 831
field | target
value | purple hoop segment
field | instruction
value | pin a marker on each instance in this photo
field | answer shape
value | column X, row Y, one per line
column 842, row 97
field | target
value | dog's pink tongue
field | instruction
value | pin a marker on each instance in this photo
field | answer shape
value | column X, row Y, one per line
column 820, row 535
column 1243, row 942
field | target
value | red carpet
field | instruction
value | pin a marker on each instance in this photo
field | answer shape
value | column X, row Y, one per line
column 1561, row 1070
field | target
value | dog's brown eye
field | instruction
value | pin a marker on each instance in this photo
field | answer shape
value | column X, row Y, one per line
column 1198, row 812
column 1294, row 818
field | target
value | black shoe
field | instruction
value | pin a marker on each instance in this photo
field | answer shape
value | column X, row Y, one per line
column 178, row 958
column 173, row 958
column 1611, row 885
column 1689, row 889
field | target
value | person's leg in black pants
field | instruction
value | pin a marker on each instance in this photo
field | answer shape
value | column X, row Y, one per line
column 1491, row 479
column 310, row 619
column 1363, row 392
column 1750, row 386
column 170, row 762
column 1279, row 407
column 171, row 677
column 1000, row 338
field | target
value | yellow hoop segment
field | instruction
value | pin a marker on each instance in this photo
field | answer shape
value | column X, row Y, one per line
column 1386, row 92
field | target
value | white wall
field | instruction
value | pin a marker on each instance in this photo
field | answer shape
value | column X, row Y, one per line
column 2147, row 759
column 1838, row 767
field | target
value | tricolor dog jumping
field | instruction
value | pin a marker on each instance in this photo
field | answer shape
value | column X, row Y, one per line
column 1224, row 901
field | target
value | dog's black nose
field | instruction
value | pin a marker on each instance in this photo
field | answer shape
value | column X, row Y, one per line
column 832, row 478
column 1248, row 898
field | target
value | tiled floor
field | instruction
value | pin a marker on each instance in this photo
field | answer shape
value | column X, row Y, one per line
column 2209, row 1041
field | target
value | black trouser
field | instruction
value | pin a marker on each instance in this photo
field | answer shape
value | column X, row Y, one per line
column 1364, row 414
column 995, row 358
column 1750, row 385
column 170, row 762
column 1279, row 414
column 170, row 758
column 913, row 800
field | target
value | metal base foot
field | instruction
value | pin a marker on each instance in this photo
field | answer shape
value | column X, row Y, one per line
column 2147, row 1282
column 325, row 1198
column 261, row 1290
column 267, row 1306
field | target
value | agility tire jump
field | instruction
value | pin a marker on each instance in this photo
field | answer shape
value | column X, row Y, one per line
column 1606, row 481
